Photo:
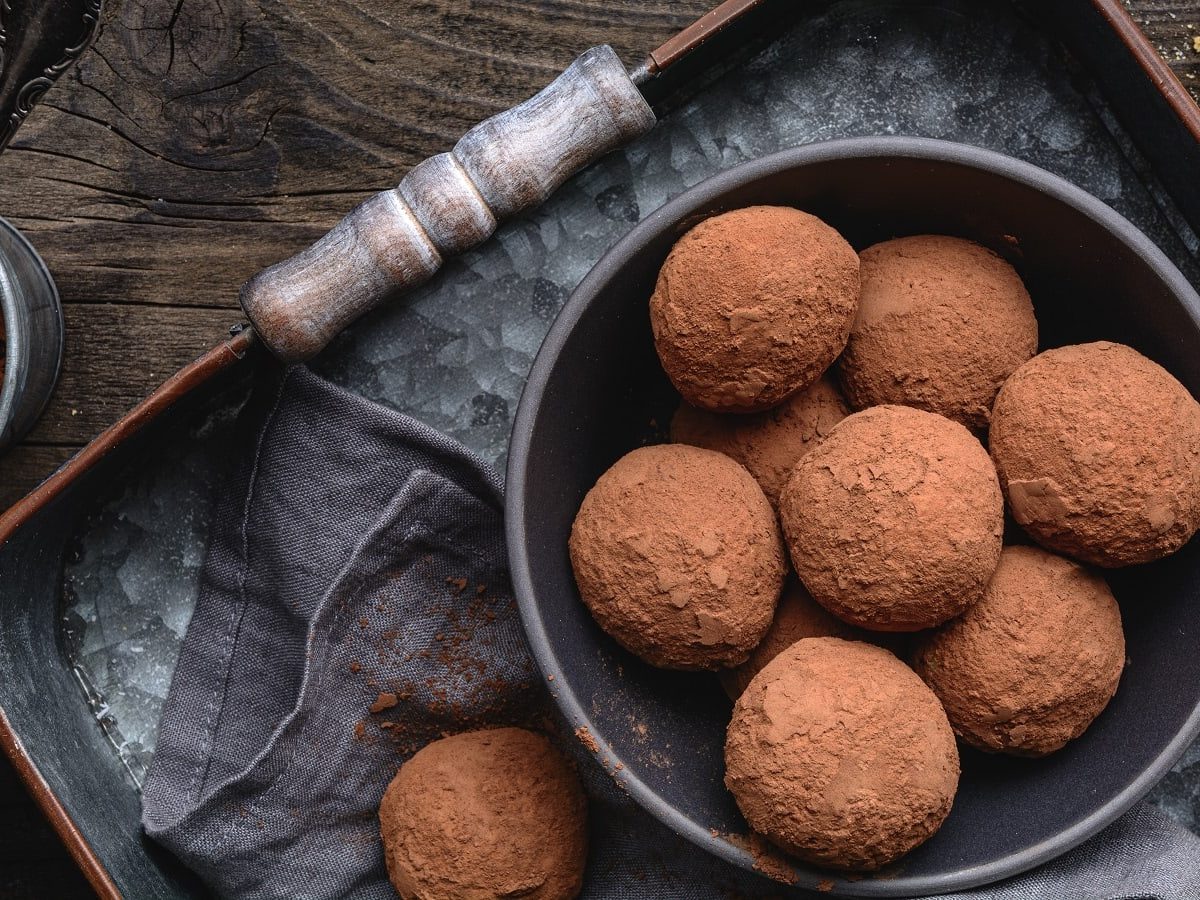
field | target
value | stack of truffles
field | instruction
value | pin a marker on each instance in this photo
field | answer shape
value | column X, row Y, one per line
column 833, row 409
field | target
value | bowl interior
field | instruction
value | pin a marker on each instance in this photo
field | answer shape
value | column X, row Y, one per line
column 597, row 391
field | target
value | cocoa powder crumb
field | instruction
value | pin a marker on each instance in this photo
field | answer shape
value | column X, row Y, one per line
column 355, row 666
column 825, row 885
column 585, row 737
column 386, row 700
column 459, row 584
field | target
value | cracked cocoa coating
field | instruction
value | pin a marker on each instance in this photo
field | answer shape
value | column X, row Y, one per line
column 941, row 323
column 678, row 556
column 894, row 522
column 767, row 443
column 485, row 815
column 1098, row 450
column 797, row 616
column 838, row 753
column 753, row 305
column 1031, row 665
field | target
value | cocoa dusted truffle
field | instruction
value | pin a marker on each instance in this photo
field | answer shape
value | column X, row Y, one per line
column 941, row 323
column 678, row 556
column 797, row 616
column 485, row 815
column 766, row 443
column 1029, row 666
column 1098, row 450
column 753, row 305
column 895, row 521
column 839, row 754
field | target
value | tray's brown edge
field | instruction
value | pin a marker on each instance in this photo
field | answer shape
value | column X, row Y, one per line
column 1155, row 67
column 64, row 825
column 181, row 383
column 233, row 350
column 680, row 45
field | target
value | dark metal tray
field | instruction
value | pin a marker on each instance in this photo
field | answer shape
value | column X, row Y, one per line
column 99, row 570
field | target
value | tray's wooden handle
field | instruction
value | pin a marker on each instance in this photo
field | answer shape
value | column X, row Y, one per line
column 447, row 204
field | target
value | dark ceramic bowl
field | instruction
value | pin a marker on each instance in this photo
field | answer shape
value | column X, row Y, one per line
column 597, row 391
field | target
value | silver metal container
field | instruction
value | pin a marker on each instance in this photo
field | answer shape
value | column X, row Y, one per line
column 33, row 335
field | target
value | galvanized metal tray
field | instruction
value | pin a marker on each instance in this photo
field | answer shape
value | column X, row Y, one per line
column 99, row 567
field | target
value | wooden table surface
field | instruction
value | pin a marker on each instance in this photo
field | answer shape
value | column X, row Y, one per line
column 200, row 140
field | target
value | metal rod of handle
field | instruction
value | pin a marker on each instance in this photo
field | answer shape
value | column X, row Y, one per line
column 449, row 203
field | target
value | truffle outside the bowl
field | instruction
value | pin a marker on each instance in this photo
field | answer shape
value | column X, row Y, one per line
column 597, row 390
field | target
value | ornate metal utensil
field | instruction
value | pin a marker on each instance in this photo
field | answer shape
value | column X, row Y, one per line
column 39, row 40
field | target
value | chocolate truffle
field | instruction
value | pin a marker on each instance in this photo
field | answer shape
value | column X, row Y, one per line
column 766, row 443
column 485, row 815
column 839, row 754
column 1098, row 450
column 1029, row 666
column 753, row 305
column 941, row 323
column 894, row 523
column 797, row 616
column 678, row 556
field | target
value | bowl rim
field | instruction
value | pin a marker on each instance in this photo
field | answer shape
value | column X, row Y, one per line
column 667, row 216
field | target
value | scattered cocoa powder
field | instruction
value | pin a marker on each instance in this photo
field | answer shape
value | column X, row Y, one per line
column 769, row 861
column 753, row 305
column 678, row 556
column 355, row 666
column 769, row 443
column 895, row 522
column 839, row 754
column 1032, row 664
column 1098, row 449
column 493, row 813
column 825, row 885
column 941, row 323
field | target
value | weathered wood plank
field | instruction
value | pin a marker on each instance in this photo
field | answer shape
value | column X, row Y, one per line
column 25, row 467
column 116, row 354
column 199, row 141
column 1174, row 28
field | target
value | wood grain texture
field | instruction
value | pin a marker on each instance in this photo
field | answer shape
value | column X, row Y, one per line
column 200, row 141
column 1173, row 26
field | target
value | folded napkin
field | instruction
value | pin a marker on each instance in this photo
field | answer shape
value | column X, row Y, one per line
column 354, row 606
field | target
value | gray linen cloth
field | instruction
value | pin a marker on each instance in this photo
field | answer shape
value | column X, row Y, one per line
column 357, row 559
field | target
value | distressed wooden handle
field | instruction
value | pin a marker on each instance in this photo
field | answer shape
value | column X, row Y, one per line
column 447, row 204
